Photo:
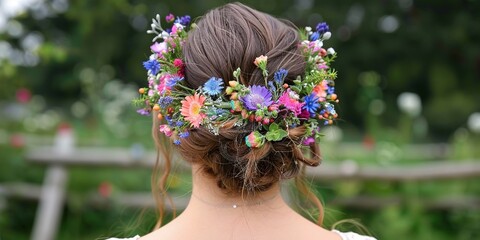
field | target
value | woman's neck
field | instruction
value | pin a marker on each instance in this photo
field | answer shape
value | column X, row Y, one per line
column 206, row 195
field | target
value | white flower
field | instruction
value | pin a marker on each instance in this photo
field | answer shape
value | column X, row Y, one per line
column 474, row 122
column 318, row 44
column 308, row 29
column 165, row 35
column 293, row 95
column 331, row 51
column 410, row 103
column 326, row 35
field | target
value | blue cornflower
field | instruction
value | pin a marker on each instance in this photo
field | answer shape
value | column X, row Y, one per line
column 311, row 103
column 280, row 75
column 184, row 134
column 331, row 90
column 176, row 142
column 179, row 123
column 169, row 120
column 325, row 123
column 322, row 28
column 173, row 81
column 213, row 86
column 314, row 36
column 185, row 20
column 168, row 30
column 272, row 87
column 152, row 65
column 164, row 102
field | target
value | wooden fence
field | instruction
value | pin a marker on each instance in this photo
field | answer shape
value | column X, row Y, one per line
column 52, row 193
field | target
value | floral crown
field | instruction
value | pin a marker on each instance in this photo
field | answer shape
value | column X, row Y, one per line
column 272, row 108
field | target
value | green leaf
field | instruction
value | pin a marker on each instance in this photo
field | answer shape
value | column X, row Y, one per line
column 275, row 133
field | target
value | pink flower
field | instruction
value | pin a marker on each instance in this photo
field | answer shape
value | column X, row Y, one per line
column 165, row 129
column 291, row 104
column 254, row 140
column 169, row 18
column 181, row 67
column 178, row 62
column 191, row 109
column 308, row 141
column 259, row 61
column 163, row 83
column 23, row 95
column 159, row 47
column 105, row 189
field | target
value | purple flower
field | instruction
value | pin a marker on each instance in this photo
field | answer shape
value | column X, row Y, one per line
column 322, row 28
column 152, row 65
column 311, row 103
column 176, row 142
column 171, row 82
column 143, row 112
column 164, row 102
column 331, row 90
column 169, row 18
column 280, row 75
column 185, row 20
column 258, row 98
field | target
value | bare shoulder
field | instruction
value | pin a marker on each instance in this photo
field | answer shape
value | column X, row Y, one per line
column 352, row 236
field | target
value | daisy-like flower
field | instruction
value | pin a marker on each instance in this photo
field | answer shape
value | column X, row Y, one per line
column 290, row 103
column 320, row 90
column 258, row 98
column 152, row 65
column 213, row 86
column 311, row 103
column 191, row 109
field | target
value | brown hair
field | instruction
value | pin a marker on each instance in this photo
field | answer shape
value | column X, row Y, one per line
column 225, row 39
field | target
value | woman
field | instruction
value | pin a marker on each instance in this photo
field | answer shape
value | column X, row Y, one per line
column 240, row 95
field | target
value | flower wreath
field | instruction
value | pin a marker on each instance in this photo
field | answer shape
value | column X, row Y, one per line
column 273, row 108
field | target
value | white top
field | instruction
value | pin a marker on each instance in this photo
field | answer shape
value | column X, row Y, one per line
column 345, row 236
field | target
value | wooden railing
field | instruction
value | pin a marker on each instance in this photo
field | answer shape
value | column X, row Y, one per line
column 51, row 194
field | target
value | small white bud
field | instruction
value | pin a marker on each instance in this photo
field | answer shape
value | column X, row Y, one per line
column 327, row 35
column 331, row 51
column 308, row 29
column 153, row 25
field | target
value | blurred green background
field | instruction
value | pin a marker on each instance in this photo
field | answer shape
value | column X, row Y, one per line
column 408, row 76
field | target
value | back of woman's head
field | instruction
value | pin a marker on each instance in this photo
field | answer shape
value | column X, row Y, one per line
column 225, row 39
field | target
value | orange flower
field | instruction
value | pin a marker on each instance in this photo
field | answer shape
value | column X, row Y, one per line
column 191, row 107
column 321, row 90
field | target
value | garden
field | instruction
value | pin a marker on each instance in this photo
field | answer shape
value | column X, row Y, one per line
column 402, row 160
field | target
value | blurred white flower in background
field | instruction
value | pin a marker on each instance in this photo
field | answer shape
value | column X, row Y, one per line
column 410, row 104
column 332, row 134
column 474, row 122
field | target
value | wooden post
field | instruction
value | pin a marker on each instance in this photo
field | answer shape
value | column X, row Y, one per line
column 50, row 207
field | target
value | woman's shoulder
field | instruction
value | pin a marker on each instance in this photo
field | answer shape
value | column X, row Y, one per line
column 353, row 236
column 133, row 238
column 343, row 235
